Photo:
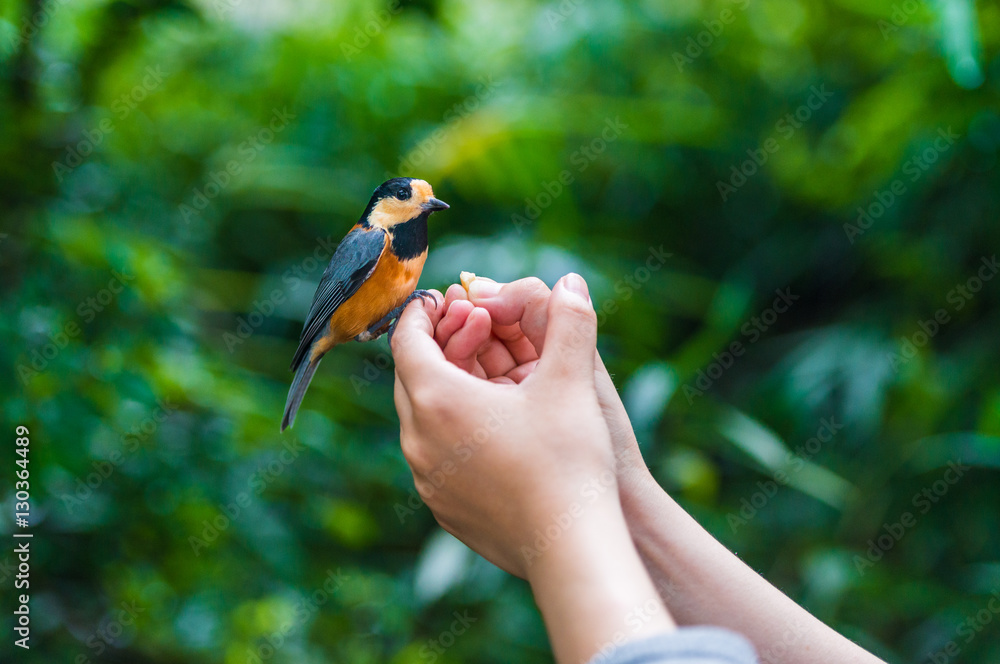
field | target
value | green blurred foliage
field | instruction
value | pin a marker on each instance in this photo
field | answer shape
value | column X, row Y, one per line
column 152, row 300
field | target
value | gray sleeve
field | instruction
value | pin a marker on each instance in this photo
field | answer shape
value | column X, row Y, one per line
column 686, row 645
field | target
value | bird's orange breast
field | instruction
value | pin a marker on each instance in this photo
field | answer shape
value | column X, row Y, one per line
column 389, row 285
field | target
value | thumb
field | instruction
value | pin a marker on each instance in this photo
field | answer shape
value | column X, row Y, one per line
column 571, row 336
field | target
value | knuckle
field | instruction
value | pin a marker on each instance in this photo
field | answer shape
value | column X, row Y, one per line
column 584, row 309
column 426, row 398
column 439, row 411
column 418, row 460
column 433, row 408
column 581, row 315
column 533, row 285
column 534, row 292
column 410, row 446
column 425, row 490
column 398, row 338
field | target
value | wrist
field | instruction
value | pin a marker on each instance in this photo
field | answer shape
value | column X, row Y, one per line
column 640, row 495
column 592, row 588
column 575, row 540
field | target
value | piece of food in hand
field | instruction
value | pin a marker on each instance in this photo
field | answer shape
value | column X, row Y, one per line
column 466, row 278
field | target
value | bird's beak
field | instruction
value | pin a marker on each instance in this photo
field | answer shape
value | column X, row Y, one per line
column 433, row 204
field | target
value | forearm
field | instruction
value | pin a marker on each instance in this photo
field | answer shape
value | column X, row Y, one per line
column 592, row 589
column 702, row 582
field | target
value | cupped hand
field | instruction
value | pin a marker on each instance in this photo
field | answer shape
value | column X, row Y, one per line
column 497, row 331
column 499, row 460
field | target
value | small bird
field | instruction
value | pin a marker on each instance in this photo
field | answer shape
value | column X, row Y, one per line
column 369, row 281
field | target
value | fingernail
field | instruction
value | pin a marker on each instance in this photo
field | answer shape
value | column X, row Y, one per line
column 574, row 283
column 480, row 289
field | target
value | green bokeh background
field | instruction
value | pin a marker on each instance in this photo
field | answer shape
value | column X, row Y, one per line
column 165, row 397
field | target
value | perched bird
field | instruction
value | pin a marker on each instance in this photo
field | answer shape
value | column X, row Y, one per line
column 370, row 279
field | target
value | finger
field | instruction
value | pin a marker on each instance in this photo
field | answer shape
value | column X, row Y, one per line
column 484, row 280
column 495, row 358
column 615, row 415
column 517, row 344
column 522, row 371
column 571, row 334
column 403, row 406
column 434, row 309
column 409, row 438
column 524, row 302
column 420, row 362
column 453, row 321
column 455, row 292
column 465, row 345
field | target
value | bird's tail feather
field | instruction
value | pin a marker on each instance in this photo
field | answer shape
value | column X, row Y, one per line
column 298, row 390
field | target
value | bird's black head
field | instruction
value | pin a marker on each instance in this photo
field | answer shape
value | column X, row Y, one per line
column 399, row 200
column 396, row 188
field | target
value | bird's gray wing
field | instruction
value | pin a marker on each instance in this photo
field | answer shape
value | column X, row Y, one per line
column 352, row 263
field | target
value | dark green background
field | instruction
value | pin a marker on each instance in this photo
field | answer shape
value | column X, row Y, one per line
column 115, row 114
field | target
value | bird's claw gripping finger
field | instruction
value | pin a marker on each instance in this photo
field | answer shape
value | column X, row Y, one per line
column 421, row 294
column 388, row 322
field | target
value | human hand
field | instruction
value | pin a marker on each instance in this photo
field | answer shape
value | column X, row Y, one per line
column 497, row 332
column 496, row 460
column 508, row 351
column 513, row 457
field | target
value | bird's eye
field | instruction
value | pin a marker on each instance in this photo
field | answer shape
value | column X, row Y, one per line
column 403, row 194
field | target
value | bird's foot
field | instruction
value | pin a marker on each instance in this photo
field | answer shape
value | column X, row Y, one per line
column 422, row 294
column 388, row 322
